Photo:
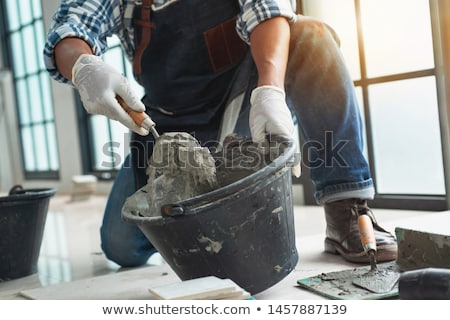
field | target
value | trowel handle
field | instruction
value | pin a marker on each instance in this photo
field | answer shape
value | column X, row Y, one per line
column 138, row 117
column 366, row 233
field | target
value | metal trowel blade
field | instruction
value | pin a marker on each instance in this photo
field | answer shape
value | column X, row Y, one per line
column 378, row 281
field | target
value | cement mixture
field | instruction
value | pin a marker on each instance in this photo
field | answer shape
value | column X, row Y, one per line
column 180, row 168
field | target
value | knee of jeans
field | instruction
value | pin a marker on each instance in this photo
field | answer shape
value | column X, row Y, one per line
column 314, row 31
column 127, row 252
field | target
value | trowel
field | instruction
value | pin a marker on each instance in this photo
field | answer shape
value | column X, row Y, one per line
column 376, row 280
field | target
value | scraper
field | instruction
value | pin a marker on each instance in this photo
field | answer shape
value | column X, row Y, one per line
column 140, row 118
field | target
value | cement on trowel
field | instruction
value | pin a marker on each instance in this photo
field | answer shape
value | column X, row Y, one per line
column 180, row 168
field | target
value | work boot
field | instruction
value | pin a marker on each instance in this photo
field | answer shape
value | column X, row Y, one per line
column 342, row 232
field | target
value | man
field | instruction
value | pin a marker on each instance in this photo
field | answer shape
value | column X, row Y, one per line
column 200, row 77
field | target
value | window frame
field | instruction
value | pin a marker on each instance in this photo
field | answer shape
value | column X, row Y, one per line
column 8, row 61
column 402, row 201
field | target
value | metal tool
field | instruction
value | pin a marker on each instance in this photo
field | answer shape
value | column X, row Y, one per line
column 375, row 280
column 140, row 118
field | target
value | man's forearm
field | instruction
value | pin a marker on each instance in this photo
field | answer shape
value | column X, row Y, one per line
column 67, row 52
column 269, row 43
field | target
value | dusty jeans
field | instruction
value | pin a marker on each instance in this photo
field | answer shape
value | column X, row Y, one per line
column 322, row 94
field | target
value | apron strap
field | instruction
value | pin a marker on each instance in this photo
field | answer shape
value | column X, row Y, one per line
column 146, row 25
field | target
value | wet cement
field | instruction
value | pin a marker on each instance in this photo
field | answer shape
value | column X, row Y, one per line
column 180, row 168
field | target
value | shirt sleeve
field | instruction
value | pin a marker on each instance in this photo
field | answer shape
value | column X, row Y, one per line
column 253, row 12
column 92, row 20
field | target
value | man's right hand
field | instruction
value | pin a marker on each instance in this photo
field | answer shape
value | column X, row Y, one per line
column 98, row 84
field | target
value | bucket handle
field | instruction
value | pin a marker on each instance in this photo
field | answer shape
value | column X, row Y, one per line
column 15, row 189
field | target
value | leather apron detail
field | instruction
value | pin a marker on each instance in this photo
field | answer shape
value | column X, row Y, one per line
column 146, row 25
column 225, row 47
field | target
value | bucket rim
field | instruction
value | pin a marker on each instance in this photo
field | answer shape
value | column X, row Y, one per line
column 277, row 164
column 28, row 194
column 280, row 163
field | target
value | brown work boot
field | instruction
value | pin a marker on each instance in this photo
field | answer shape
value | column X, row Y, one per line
column 342, row 233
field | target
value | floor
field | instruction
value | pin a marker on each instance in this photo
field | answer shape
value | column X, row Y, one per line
column 71, row 253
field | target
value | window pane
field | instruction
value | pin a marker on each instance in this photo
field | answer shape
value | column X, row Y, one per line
column 19, row 64
column 397, row 36
column 120, row 138
column 102, row 159
column 359, row 97
column 37, row 9
column 40, row 41
column 138, row 89
column 41, row 146
column 13, row 14
column 340, row 15
column 52, row 149
column 26, row 16
column 113, row 41
column 36, row 100
column 23, row 102
column 46, row 96
column 113, row 57
column 30, row 49
column 407, row 143
column 28, row 149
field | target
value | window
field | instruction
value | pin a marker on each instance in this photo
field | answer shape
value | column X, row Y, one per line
column 24, row 33
column 388, row 47
column 104, row 141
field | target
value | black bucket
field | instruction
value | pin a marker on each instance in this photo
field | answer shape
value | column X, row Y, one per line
column 22, row 220
column 243, row 231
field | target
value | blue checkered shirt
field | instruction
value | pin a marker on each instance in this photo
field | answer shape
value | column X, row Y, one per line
column 96, row 20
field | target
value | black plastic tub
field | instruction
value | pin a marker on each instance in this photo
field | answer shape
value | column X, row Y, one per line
column 243, row 231
column 23, row 215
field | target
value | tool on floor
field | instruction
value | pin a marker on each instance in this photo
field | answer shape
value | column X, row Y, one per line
column 140, row 118
column 379, row 281
column 375, row 280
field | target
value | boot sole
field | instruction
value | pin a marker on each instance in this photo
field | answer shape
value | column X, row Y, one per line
column 384, row 253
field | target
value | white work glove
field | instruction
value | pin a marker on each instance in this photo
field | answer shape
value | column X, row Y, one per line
column 269, row 113
column 98, row 84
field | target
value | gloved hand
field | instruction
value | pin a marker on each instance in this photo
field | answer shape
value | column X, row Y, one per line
column 269, row 113
column 98, row 84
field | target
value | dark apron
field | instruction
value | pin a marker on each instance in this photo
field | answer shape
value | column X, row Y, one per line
column 191, row 67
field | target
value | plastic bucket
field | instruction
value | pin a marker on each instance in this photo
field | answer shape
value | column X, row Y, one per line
column 243, row 231
column 22, row 220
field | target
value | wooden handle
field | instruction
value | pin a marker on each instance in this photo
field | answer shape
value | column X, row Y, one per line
column 366, row 233
column 138, row 117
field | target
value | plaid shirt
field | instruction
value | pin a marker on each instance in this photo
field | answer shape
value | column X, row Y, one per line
column 95, row 20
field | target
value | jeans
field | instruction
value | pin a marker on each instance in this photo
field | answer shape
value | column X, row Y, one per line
column 123, row 242
column 321, row 95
